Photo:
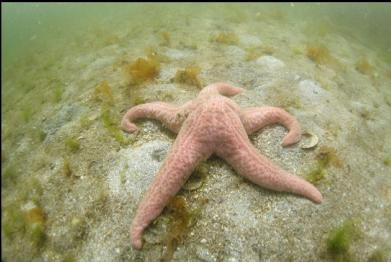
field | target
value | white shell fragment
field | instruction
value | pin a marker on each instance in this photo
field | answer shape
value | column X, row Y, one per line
column 310, row 140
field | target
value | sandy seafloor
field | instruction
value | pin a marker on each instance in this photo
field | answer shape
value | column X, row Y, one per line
column 60, row 204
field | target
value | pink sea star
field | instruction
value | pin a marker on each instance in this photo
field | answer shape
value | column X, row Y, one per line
column 213, row 123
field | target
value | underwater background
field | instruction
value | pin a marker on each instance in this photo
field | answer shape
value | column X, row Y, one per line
column 71, row 180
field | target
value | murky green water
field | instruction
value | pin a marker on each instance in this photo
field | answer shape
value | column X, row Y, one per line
column 68, row 76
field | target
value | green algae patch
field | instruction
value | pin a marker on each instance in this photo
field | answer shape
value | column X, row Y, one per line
column 35, row 222
column 112, row 126
column 103, row 93
column 72, row 144
column 98, row 207
column 285, row 99
column 86, row 122
column 37, row 234
column 167, row 96
column 325, row 157
column 290, row 102
column 69, row 258
column 328, row 156
column 4, row 156
column 176, row 221
column 28, row 223
column 37, row 134
column 341, row 238
column 387, row 160
column 58, row 91
column 122, row 175
column 378, row 255
column 137, row 99
column 316, row 175
column 27, row 113
column 9, row 175
column 35, row 215
column 181, row 220
column 67, row 170
column 227, row 38
column 12, row 221
column 78, row 228
column 189, row 76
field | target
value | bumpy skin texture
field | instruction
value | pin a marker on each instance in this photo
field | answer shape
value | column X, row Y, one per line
column 213, row 124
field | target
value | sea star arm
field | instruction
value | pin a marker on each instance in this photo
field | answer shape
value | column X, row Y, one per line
column 245, row 159
column 185, row 155
column 255, row 118
column 169, row 115
column 220, row 88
